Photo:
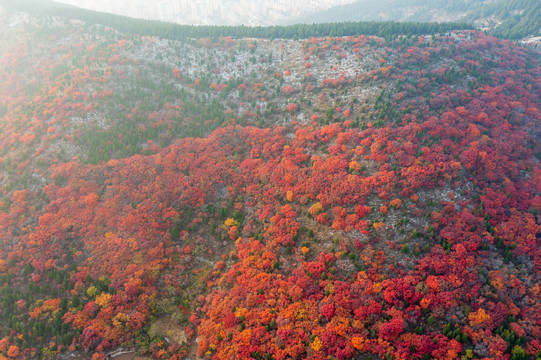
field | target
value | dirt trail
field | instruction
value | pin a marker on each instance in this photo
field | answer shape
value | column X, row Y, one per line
column 129, row 356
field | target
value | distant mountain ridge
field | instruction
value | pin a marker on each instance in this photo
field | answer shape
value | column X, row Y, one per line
column 174, row 31
column 510, row 19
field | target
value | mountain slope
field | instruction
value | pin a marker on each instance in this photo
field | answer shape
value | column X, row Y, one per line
column 394, row 10
column 509, row 19
column 334, row 197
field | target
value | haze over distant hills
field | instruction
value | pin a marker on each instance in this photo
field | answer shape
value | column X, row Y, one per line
column 211, row 12
column 513, row 19
column 508, row 18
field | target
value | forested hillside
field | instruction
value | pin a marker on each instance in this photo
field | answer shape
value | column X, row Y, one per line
column 225, row 197
column 511, row 19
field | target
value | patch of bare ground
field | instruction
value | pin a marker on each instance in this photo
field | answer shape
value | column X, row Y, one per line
column 275, row 64
column 129, row 356
column 168, row 328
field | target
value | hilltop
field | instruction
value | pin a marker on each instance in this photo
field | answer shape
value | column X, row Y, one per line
column 369, row 195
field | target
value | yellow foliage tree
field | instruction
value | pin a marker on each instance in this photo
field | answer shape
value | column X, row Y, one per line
column 289, row 195
column 103, row 299
column 355, row 166
column 91, row 291
column 316, row 344
column 479, row 317
column 379, row 225
column 315, row 209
